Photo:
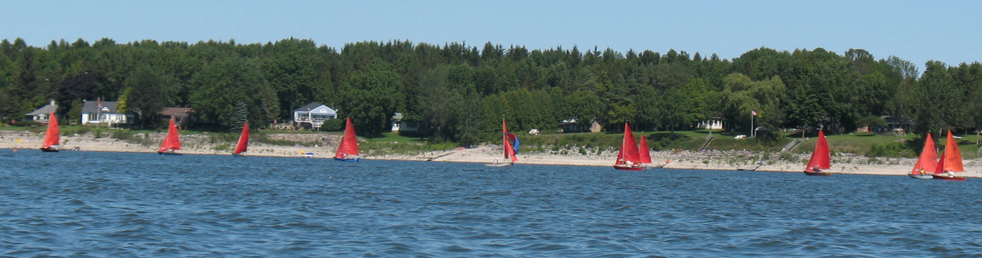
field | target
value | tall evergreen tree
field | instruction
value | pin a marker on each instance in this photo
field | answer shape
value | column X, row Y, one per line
column 239, row 116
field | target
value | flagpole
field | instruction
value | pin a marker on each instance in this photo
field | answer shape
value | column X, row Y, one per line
column 752, row 133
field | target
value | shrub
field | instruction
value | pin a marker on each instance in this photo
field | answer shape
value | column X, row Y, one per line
column 333, row 125
column 27, row 123
column 222, row 147
column 894, row 149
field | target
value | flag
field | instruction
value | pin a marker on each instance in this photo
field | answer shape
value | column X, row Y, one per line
column 753, row 112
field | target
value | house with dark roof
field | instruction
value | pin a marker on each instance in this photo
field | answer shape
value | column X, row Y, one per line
column 313, row 115
column 182, row 115
column 103, row 112
column 41, row 115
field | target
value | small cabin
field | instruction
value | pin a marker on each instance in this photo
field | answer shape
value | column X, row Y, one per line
column 182, row 115
column 400, row 124
column 40, row 115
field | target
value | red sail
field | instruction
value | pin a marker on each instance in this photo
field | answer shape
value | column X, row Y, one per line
column 349, row 143
column 629, row 148
column 172, row 141
column 645, row 151
column 820, row 158
column 928, row 161
column 243, row 139
column 53, row 135
column 940, row 168
column 509, row 149
column 953, row 155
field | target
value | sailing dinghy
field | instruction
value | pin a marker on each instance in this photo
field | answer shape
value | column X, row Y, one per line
column 820, row 160
column 951, row 162
column 509, row 147
column 52, row 136
column 243, row 143
column 171, row 142
column 628, row 158
column 927, row 163
column 348, row 149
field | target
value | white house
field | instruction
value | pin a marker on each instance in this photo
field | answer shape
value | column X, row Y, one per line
column 399, row 124
column 102, row 112
column 41, row 115
column 313, row 115
column 710, row 125
column 396, row 122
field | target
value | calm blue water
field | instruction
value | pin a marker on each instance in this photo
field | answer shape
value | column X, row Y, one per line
column 126, row 204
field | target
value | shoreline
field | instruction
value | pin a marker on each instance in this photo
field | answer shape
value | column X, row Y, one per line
column 732, row 160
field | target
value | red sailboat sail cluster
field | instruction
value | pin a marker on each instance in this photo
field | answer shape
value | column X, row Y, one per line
column 243, row 143
column 820, row 160
column 52, row 136
column 172, row 141
column 348, row 149
column 629, row 157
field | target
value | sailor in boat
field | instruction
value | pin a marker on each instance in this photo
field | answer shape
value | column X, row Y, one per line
column 495, row 161
column 816, row 169
column 951, row 174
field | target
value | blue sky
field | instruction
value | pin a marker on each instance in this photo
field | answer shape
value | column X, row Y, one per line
column 917, row 31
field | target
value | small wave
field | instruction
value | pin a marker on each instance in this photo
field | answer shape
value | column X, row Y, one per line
column 456, row 249
column 398, row 248
column 485, row 235
column 544, row 247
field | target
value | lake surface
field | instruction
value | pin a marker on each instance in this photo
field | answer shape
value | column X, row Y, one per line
column 136, row 204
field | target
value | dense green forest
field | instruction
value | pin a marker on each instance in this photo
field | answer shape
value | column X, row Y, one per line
column 461, row 92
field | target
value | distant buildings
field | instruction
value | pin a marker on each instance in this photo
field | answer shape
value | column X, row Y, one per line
column 571, row 126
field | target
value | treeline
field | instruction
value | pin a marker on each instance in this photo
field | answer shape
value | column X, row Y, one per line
column 460, row 93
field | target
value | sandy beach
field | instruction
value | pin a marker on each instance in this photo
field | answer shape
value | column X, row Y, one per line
column 709, row 160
